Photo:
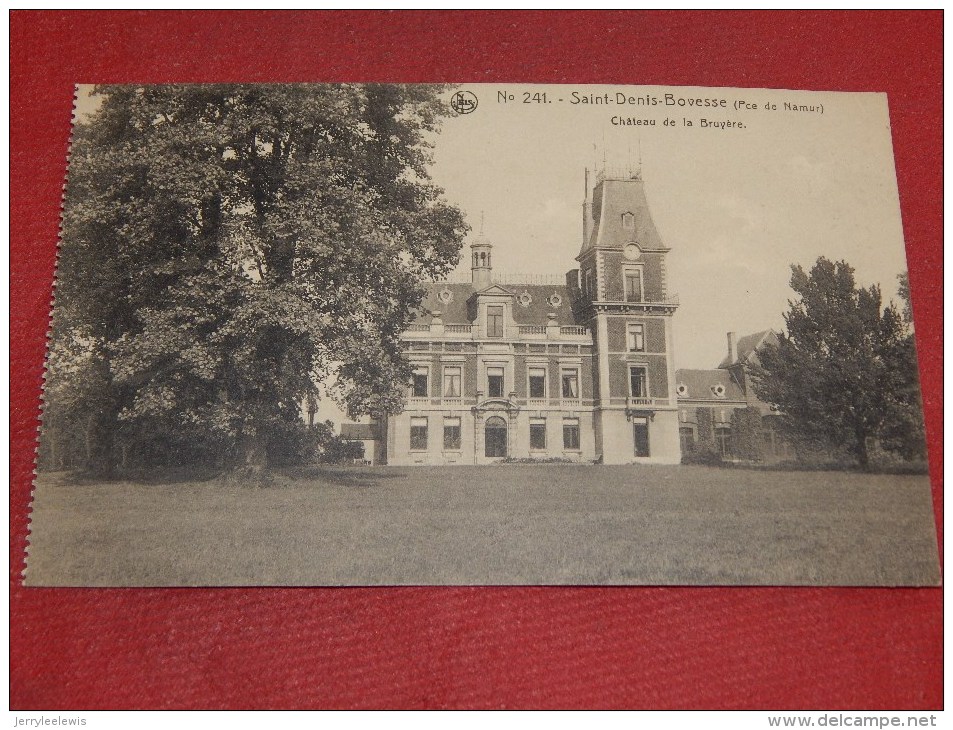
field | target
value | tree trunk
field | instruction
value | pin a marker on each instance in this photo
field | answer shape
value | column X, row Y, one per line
column 863, row 457
column 251, row 457
column 100, row 446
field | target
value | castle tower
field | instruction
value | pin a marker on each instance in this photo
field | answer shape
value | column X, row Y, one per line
column 481, row 266
column 627, row 307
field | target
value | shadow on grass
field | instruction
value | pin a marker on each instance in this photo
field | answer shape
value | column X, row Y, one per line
column 148, row 477
column 344, row 476
column 897, row 468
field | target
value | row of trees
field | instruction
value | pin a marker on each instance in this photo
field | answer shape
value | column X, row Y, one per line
column 226, row 251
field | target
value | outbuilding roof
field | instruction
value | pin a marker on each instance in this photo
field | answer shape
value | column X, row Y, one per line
column 749, row 345
column 712, row 385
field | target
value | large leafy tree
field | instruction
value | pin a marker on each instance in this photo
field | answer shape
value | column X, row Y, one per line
column 843, row 374
column 227, row 249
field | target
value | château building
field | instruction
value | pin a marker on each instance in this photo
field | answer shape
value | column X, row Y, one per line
column 581, row 370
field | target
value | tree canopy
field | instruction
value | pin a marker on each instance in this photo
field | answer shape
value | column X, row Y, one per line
column 226, row 249
column 844, row 375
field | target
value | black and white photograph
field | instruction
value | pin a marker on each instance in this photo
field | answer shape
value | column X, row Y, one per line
column 480, row 334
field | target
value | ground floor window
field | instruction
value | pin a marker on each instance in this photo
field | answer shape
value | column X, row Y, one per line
column 418, row 433
column 537, row 434
column 686, row 435
column 495, row 437
column 451, row 434
column 571, row 434
column 640, row 436
column 723, row 441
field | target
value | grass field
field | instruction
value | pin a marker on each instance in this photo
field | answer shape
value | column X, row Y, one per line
column 503, row 524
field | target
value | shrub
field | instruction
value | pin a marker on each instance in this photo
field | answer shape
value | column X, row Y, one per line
column 746, row 434
column 704, row 453
column 706, row 427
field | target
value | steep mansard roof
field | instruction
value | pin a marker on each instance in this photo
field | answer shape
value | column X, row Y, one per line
column 456, row 311
column 749, row 345
column 611, row 199
column 699, row 384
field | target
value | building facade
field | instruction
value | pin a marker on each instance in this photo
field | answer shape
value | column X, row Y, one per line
column 582, row 370
column 708, row 399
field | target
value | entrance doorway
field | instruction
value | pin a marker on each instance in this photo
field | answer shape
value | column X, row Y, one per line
column 640, row 436
column 495, row 437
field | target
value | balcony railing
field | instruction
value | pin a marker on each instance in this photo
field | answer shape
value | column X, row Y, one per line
column 633, row 403
column 512, row 332
column 670, row 300
column 436, row 401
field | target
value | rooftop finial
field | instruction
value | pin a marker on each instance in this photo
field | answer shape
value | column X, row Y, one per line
column 481, row 222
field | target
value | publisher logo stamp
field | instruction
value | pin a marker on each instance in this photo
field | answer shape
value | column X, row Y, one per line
column 464, row 102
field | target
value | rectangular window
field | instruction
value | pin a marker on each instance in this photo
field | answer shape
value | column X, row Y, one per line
column 451, row 434
column 537, row 434
column 494, row 381
column 451, row 382
column 686, row 435
column 570, row 384
column 494, row 321
column 723, row 442
column 571, row 434
column 418, row 434
column 636, row 337
column 420, row 389
column 537, row 382
column 637, row 382
column 633, row 286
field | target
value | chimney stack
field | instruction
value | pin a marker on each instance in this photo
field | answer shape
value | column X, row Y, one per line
column 732, row 349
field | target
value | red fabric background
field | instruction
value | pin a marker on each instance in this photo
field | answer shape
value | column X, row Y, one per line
column 467, row 647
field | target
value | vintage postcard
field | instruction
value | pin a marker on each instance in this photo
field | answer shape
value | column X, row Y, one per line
column 373, row 334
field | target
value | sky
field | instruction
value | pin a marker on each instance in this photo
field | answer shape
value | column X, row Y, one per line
column 737, row 205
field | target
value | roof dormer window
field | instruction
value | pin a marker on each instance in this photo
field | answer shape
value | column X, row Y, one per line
column 628, row 220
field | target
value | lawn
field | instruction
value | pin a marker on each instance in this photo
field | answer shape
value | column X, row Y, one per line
column 503, row 524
